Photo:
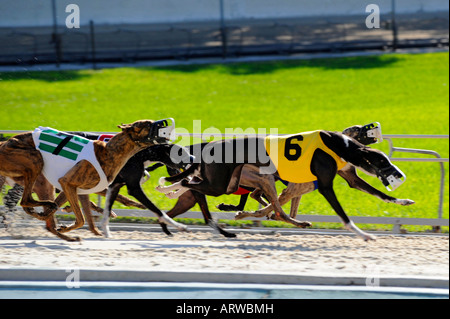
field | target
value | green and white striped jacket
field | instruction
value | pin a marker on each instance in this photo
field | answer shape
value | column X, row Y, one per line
column 62, row 151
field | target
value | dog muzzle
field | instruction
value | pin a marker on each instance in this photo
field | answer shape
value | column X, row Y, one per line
column 371, row 134
column 162, row 131
column 391, row 177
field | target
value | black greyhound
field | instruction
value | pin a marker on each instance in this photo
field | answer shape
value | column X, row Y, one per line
column 132, row 174
column 219, row 176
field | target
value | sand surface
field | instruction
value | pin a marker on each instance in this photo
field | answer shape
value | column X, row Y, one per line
column 294, row 254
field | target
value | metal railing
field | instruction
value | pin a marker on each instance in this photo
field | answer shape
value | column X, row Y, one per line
column 397, row 222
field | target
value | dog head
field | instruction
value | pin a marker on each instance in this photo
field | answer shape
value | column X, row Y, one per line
column 376, row 163
column 365, row 134
column 149, row 132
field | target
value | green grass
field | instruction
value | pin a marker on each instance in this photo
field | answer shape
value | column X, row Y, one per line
column 407, row 94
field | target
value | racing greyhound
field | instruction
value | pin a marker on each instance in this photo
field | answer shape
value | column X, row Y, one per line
column 317, row 155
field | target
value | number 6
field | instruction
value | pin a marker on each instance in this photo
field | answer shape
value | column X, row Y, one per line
column 293, row 151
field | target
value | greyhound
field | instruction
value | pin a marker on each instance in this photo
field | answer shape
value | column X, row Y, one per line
column 21, row 160
column 337, row 152
column 130, row 175
column 133, row 172
column 365, row 134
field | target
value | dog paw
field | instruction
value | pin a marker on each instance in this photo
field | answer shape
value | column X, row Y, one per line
column 226, row 208
column 304, row 224
column 368, row 237
column 405, row 202
column 162, row 181
column 172, row 195
column 240, row 215
column 66, row 209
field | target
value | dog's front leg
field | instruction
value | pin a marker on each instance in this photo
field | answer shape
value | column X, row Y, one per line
column 72, row 197
column 354, row 181
column 330, row 196
column 111, row 195
column 86, row 205
column 82, row 175
column 51, row 221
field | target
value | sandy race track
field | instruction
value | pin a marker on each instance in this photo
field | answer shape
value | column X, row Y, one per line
column 332, row 255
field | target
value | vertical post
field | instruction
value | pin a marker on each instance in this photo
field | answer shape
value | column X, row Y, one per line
column 394, row 27
column 56, row 39
column 223, row 29
column 92, row 31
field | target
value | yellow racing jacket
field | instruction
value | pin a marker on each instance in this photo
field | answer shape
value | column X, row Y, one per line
column 292, row 155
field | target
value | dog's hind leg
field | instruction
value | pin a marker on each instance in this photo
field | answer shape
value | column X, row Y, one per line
column 267, row 185
column 27, row 202
column 232, row 208
column 295, row 203
column 184, row 203
column 201, row 200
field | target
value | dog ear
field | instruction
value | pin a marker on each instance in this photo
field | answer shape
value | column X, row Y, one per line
column 124, row 126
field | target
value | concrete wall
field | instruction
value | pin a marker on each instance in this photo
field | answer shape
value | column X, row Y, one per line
column 17, row 13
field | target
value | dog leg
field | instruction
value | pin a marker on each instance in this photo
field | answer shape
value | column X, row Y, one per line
column 123, row 200
column 111, row 195
column 51, row 221
column 258, row 196
column 28, row 202
column 167, row 189
column 325, row 168
column 201, row 200
column 232, row 208
column 330, row 196
column 86, row 206
column 177, row 194
column 184, row 203
column 70, row 190
column 295, row 202
column 292, row 193
column 135, row 190
column 354, row 181
column 267, row 185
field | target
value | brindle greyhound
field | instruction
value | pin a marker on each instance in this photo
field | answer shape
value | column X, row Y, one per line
column 220, row 177
column 130, row 175
column 21, row 161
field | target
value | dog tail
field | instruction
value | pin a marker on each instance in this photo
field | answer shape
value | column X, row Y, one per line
column 186, row 173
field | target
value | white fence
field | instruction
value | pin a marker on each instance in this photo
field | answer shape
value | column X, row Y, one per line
column 437, row 223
